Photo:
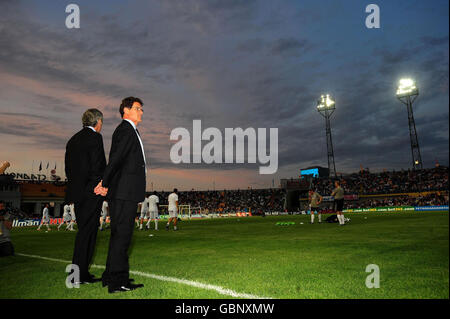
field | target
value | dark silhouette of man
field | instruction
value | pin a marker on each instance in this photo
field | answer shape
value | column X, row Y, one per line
column 124, row 184
column 84, row 164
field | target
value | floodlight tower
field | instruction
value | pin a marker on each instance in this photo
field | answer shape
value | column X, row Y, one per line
column 326, row 107
column 407, row 93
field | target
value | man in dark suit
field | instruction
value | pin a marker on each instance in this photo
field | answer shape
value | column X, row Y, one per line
column 124, row 184
column 84, row 164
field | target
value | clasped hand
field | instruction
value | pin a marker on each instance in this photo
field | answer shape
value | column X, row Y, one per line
column 100, row 190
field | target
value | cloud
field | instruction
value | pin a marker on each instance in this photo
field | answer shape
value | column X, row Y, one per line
column 40, row 131
column 433, row 41
column 251, row 45
column 229, row 63
column 289, row 46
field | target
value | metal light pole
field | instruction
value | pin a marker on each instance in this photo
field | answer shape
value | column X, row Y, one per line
column 407, row 93
column 326, row 106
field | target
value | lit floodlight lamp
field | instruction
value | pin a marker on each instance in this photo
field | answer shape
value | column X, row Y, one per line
column 326, row 107
column 326, row 102
column 407, row 93
column 407, row 87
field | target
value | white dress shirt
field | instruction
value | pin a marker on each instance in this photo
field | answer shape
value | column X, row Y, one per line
column 140, row 141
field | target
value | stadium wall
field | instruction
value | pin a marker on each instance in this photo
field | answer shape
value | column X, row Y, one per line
column 57, row 221
column 397, row 209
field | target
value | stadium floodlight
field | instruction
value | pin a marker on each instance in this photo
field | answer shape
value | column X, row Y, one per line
column 407, row 87
column 407, row 93
column 326, row 106
column 325, row 102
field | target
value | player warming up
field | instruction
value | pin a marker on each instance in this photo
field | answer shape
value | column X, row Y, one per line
column 338, row 194
column 105, row 211
column 66, row 217
column 72, row 216
column 144, row 212
column 173, row 209
column 45, row 218
column 314, row 201
column 153, row 204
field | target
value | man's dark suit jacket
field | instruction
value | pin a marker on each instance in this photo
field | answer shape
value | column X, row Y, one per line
column 125, row 173
column 85, row 163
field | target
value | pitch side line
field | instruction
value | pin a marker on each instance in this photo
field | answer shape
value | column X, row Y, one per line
column 220, row 290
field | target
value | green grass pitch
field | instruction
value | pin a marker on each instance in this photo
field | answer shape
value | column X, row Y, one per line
column 252, row 255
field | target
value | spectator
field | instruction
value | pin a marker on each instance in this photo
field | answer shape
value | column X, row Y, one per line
column 6, row 247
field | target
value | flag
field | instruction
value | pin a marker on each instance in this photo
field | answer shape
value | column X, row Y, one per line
column 40, row 166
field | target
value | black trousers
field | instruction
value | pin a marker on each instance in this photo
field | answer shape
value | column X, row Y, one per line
column 122, row 214
column 88, row 221
column 6, row 249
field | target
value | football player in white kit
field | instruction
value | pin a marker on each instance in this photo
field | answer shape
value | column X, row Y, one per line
column 72, row 215
column 66, row 217
column 138, row 212
column 45, row 218
column 105, row 210
column 153, row 203
column 144, row 212
column 173, row 209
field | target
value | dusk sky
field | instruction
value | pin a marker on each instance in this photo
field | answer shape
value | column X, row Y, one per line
column 230, row 64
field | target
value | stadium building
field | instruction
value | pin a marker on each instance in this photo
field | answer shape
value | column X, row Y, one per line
column 30, row 193
column 363, row 190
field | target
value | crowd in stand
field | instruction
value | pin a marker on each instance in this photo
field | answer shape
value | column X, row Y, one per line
column 362, row 183
column 18, row 214
column 231, row 201
column 366, row 183
column 435, row 199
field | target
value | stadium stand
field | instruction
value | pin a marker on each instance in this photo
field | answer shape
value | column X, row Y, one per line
column 393, row 188
column 435, row 199
column 427, row 187
column 366, row 183
column 232, row 201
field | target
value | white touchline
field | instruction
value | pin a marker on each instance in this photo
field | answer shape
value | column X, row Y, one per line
column 220, row 290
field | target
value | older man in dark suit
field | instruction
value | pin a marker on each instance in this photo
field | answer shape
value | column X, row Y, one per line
column 85, row 164
column 124, row 184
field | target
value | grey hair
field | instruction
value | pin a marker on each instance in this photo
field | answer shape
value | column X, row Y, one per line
column 91, row 117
